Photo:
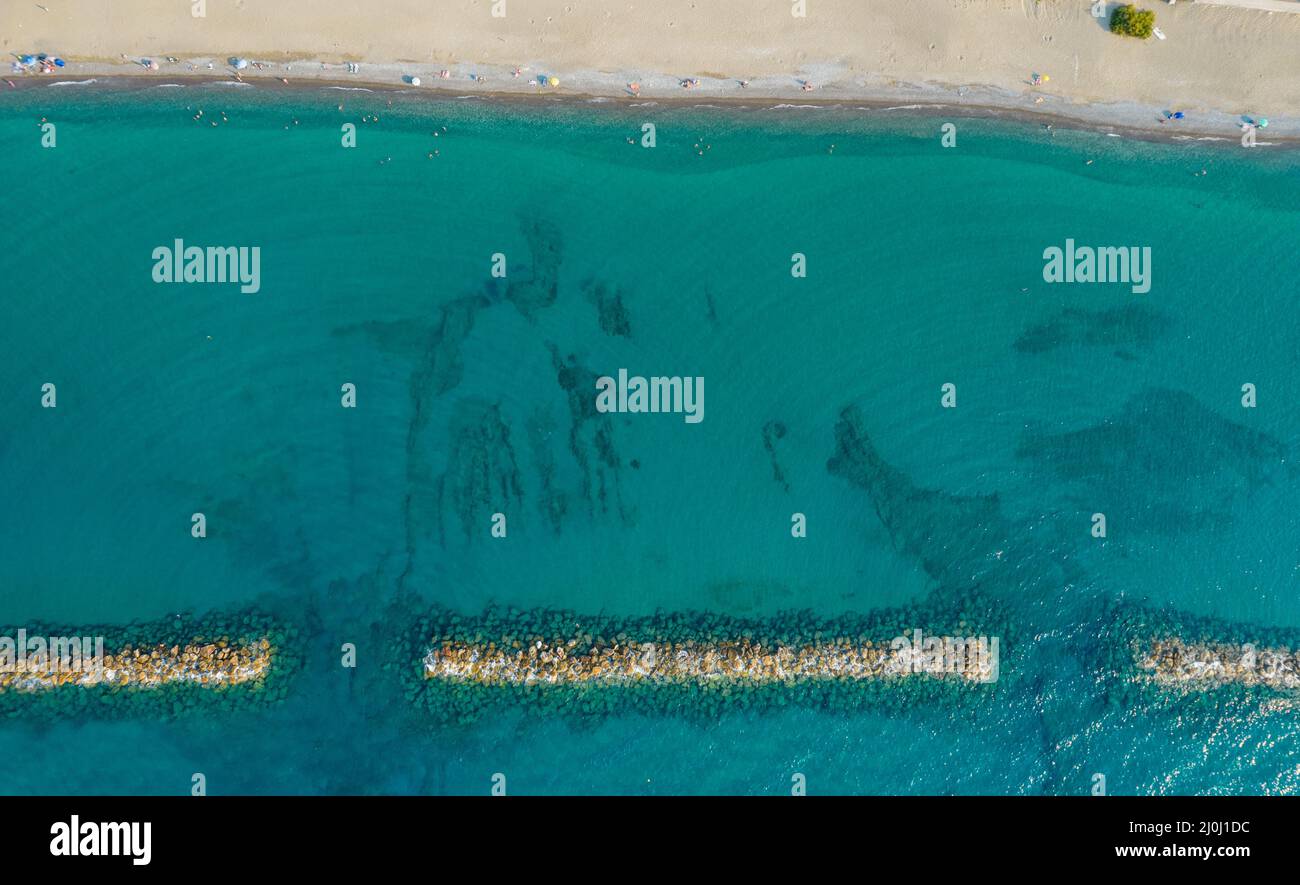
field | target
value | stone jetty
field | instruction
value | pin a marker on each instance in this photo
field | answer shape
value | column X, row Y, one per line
column 159, row 669
column 208, row 663
column 698, row 663
column 691, row 662
column 1173, row 663
column 1180, row 657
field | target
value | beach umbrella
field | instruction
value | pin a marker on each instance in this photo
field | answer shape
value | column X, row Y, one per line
column 29, row 59
column 555, row 81
column 58, row 62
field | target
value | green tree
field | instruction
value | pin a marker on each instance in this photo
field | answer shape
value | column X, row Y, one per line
column 1132, row 22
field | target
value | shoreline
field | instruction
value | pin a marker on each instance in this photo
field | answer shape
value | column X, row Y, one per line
column 1041, row 60
column 1125, row 120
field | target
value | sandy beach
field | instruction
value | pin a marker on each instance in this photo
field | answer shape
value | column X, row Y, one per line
column 1217, row 64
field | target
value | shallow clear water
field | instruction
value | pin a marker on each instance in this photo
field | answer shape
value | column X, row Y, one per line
column 924, row 267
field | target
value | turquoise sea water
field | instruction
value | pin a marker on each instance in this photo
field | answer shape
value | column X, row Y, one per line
column 924, row 267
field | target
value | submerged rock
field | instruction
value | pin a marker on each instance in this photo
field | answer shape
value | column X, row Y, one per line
column 482, row 476
column 540, row 288
column 610, row 310
column 1165, row 455
column 1131, row 326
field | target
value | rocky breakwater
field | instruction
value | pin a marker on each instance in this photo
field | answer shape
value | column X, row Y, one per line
column 161, row 668
column 1177, row 664
column 1172, row 657
column 697, row 663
